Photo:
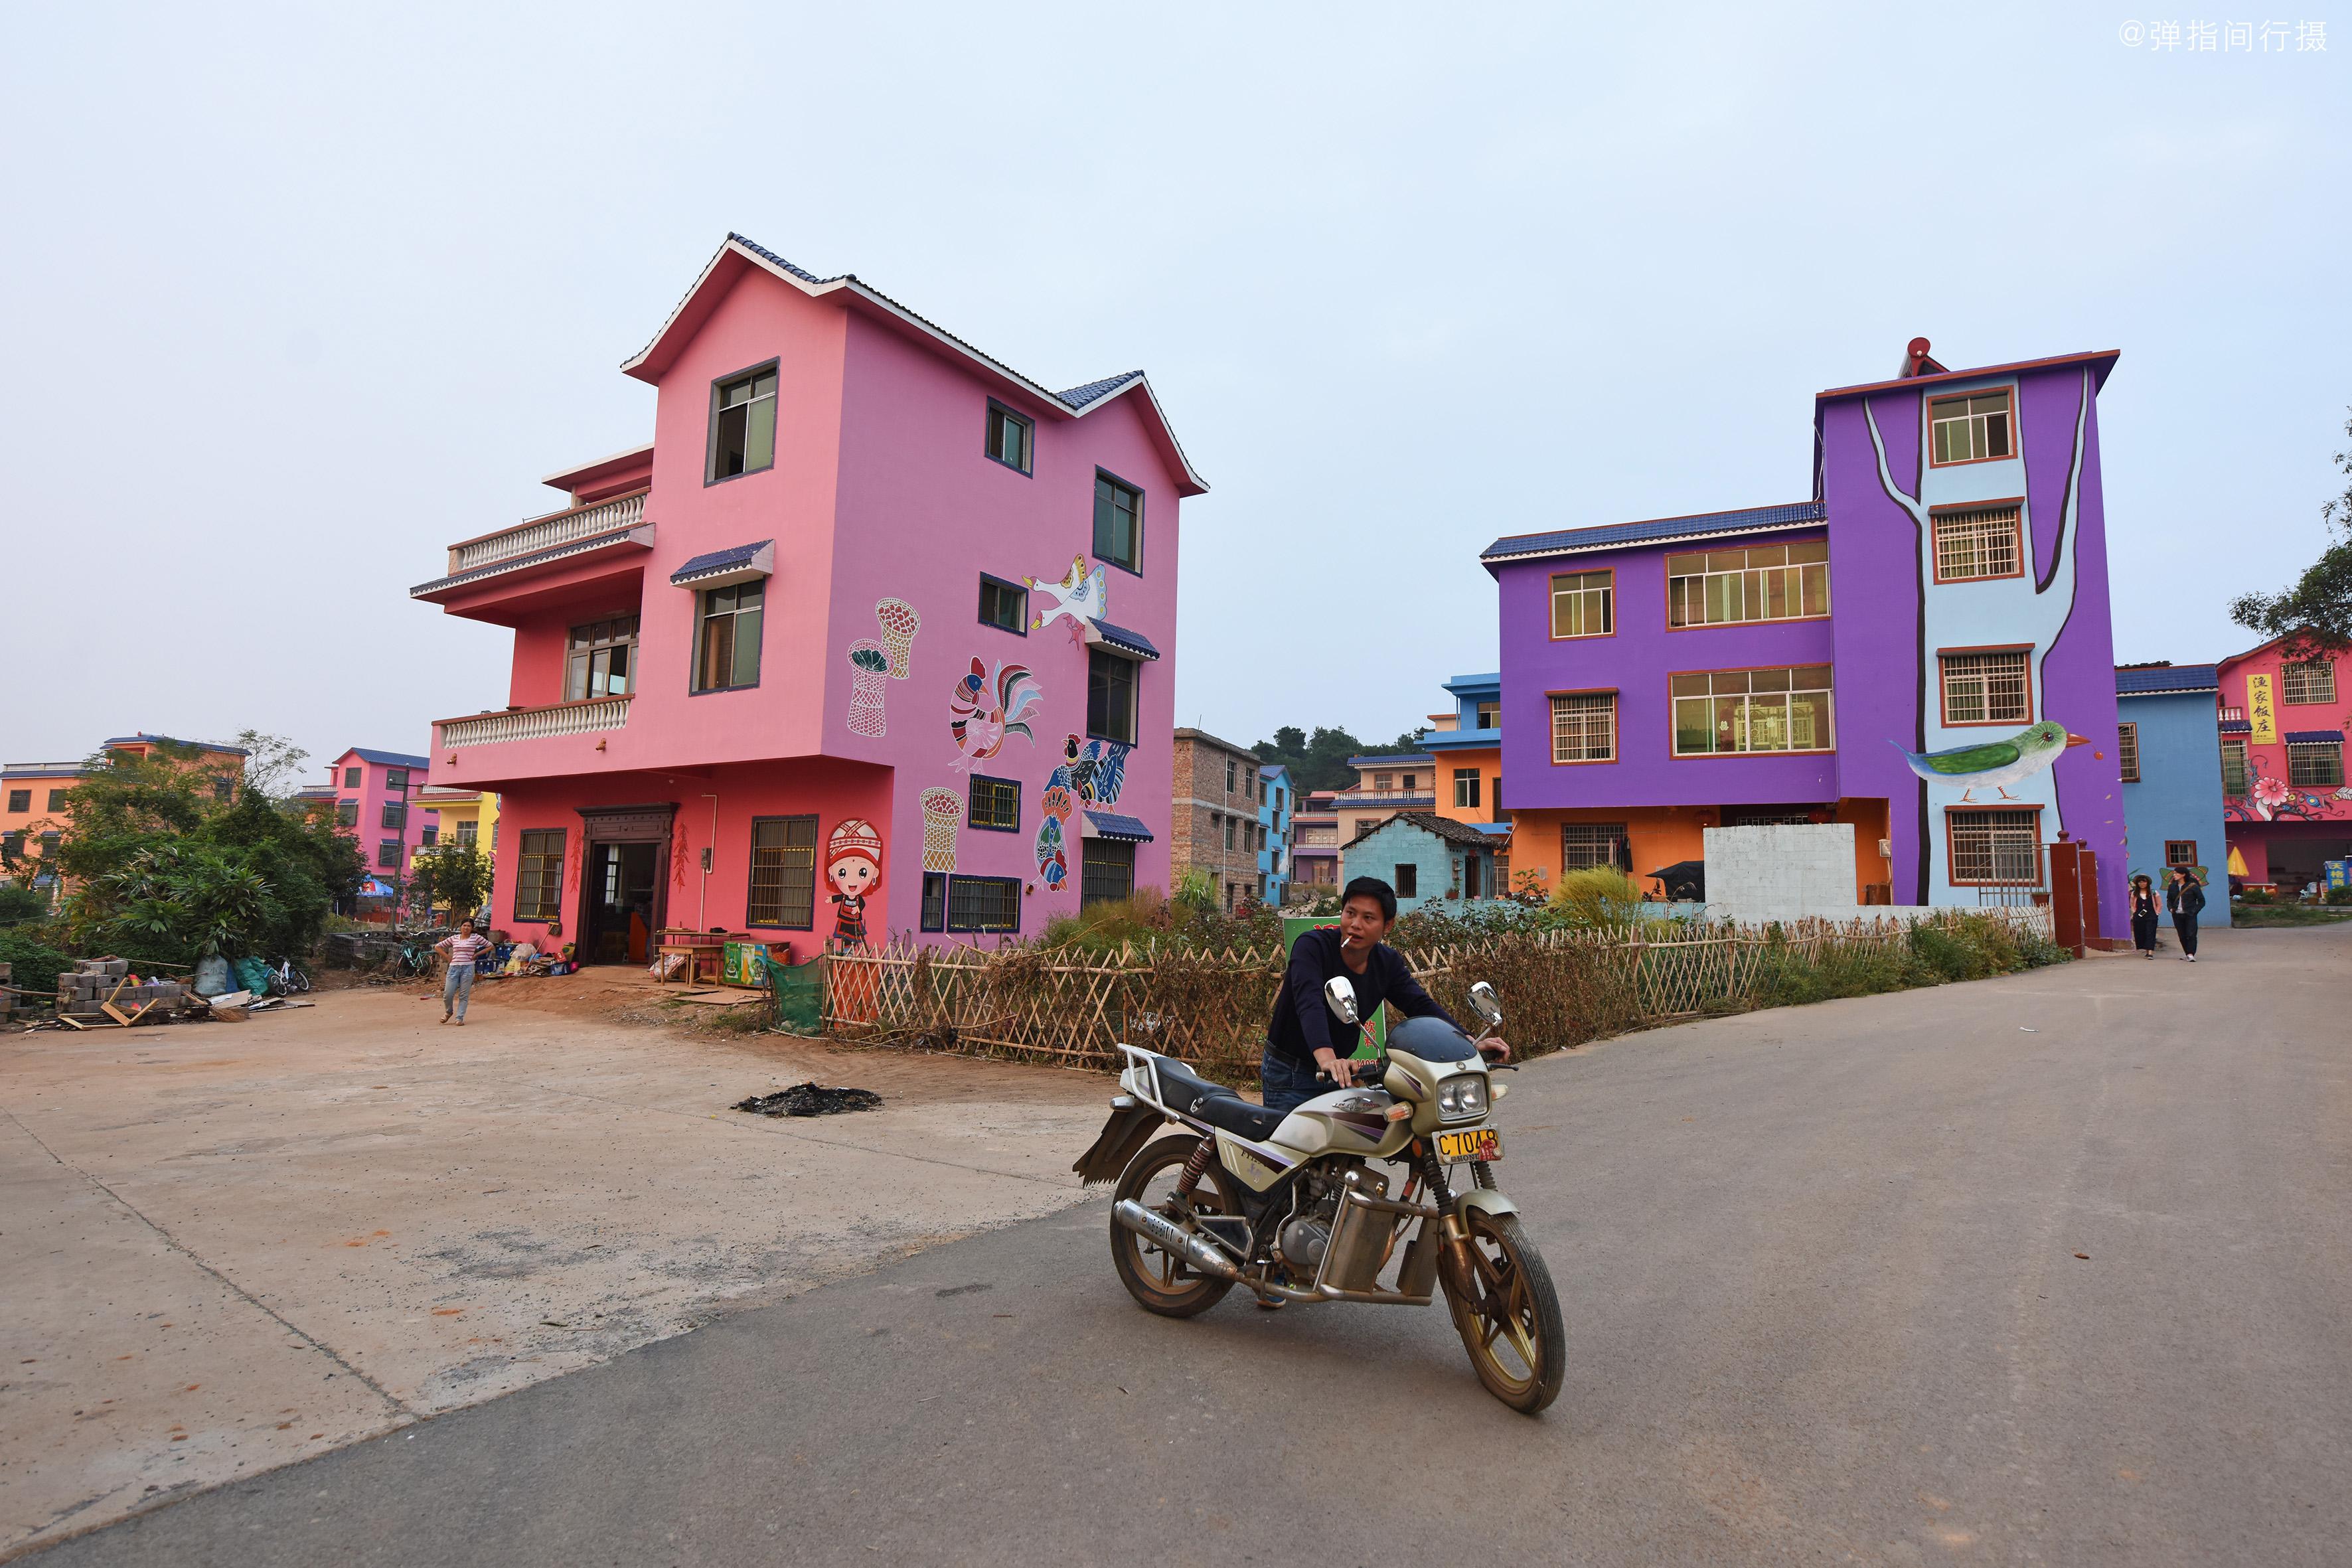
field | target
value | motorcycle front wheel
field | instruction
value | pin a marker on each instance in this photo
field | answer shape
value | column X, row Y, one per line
column 1159, row 1281
column 1509, row 1315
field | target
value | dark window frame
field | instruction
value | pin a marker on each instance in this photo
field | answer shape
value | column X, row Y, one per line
column 1466, row 782
column 1134, row 697
column 352, row 777
column 394, row 815
column 971, row 817
column 1103, row 855
column 20, row 800
column 1020, row 626
column 1981, row 815
column 1010, row 886
column 58, row 799
column 1104, row 476
column 2128, row 751
column 2306, row 753
column 347, row 814
column 583, row 654
column 2172, row 859
column 935, row 901
column 702, row 598
column 1927, row 427
column 389, row 853
column 782, row 868
column 718, row 385
column 999, row 410
column 1405, row 878
column 543, row 869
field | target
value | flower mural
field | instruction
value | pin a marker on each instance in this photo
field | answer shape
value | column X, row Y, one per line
column 2269, row 798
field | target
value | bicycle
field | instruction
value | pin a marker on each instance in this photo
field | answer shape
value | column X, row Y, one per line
column 285, row 980
column 414, row 959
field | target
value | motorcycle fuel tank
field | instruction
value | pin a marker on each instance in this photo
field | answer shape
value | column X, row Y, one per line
column 1344, row 1121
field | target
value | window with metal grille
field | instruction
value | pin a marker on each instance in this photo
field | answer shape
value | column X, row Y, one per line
column 1971, row 429
column 935, row 901
column 429, row 836
column 983, row 903
column 350, row 778
column 1970, row 544
column 2180, row 852
column 1725, row 713
column 1584, row 727
column 1995, row 848
column 395, row 813
column 56, row 800
column 397, row 779
column 2127, row 751
column 1751, row 816
column 1586, row 844
column 598, row 659
column 20, row 800
column 1405, row 878
column 993, row 805
column 347, row 814
column 1987, row 688
column 1581, row 604
column 2234, row 775
column 2309, row 680
column 1760, row 582
column 2314, row 764
column 387, row 854
column 783, row 873
column 469, row 833
column 539, row 876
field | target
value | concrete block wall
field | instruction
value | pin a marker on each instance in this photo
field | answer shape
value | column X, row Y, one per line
column 1780, row 871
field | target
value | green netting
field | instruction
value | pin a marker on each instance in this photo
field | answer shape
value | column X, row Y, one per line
column 796, row 996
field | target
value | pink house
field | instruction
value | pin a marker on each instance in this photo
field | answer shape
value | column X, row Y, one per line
column 876, row 637
column 374, row 798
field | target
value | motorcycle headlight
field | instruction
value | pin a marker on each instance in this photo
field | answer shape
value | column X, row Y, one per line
column 1461, row 1097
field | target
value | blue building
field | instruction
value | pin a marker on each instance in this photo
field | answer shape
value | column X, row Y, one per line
column 1276, row 808
column 2168, row 747
column 1426, row 857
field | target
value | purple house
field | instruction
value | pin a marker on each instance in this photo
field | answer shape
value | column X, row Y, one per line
column 1945, row 590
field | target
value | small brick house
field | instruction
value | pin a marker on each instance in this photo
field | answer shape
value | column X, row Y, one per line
column 1216, row 822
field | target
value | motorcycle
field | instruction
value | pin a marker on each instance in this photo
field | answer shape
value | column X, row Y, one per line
column 1292, row 1206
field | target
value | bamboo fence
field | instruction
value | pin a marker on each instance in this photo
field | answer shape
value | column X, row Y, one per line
column 1209, row 1007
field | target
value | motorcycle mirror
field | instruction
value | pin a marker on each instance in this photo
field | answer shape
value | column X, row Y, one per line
column 1482, row 996
column 1342, row 997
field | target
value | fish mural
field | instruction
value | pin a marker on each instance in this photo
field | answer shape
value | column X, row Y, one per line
column 1082, row 597
column 986, row 710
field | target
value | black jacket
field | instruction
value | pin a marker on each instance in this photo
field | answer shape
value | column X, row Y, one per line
column 1303, row 1022
column 2184, row 899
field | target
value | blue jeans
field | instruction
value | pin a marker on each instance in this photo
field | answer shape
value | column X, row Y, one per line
column 457, row 989
column 1288, row 1084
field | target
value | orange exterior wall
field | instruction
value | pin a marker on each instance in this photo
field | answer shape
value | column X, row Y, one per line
column 1658, row 836
column 1490, row 774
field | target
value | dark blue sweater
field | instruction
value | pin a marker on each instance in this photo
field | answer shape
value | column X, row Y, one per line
column 1303, row 1022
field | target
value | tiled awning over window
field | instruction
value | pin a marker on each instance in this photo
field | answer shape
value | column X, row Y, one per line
column 720, row 567
column 1126, row 641
column 1111, row 825
column 2312, row 737
column 2236, row 727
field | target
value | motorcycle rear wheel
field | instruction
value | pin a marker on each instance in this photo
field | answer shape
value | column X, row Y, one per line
column 1160, row 1282
column 1509, row 1315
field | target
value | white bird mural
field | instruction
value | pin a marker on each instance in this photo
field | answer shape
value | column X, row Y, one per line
column 1084, row 597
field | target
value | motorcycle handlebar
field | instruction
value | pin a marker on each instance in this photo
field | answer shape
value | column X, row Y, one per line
column 1367, row 1071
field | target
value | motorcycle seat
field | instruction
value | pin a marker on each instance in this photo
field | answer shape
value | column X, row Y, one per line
column 1183, row 1090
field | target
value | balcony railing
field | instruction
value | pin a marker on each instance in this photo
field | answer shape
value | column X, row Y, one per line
column 549, row 532
column 532, row 723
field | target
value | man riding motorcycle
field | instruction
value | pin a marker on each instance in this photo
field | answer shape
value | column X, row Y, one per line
column 1298, row 1042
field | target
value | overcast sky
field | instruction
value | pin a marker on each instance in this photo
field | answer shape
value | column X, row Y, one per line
column 294, row 297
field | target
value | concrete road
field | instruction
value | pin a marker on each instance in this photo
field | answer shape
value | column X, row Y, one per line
column 2051, row 1269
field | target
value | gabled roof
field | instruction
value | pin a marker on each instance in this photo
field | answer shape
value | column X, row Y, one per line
column 388, row 759
column 740, row 256
column 1656, row 531
column 2148, row 680
column 1445, row 827
column 2103, row 359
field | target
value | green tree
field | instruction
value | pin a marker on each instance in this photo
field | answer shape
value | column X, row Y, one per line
column 2317, row 611
column 456, row 875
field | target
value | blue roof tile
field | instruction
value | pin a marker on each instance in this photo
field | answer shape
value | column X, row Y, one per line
column 391, row 759
column 1698, row 525
column 2170, row 678
column 1093, row 391
column 720, row 561
column 1133, row 642
column 2312, row 737
column 2236, row 727
column 1111, row 825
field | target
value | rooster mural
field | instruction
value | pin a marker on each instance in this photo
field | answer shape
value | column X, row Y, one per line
column 1092, row 771
column 986, row 710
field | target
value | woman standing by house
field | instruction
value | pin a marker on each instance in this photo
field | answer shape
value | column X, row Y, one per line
column 2143, row 914
column 2184, row 897
column 457, row 988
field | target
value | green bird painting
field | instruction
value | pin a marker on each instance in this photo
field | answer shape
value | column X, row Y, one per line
column 1993, row 764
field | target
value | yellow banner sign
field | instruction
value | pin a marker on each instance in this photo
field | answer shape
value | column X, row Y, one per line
column 2261, row 711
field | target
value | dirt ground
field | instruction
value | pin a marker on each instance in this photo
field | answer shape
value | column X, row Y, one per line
column 227, row 1247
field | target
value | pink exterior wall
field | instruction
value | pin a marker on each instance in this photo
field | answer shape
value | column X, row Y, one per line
column 372, row 796
column 880, row 490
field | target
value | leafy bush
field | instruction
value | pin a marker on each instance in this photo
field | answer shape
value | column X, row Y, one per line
column 2339, row 895
column 1596, row 896
column 2256, row 896
column 33, row 963
column 20, row 905
column 1145, row 917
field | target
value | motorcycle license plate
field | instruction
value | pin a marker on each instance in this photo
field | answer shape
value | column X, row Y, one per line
column 1478, row 1144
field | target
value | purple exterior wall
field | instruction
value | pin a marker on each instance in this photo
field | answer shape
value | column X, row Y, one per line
column 1889, row 620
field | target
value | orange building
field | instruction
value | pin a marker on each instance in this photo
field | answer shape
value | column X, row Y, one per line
column 35, row 809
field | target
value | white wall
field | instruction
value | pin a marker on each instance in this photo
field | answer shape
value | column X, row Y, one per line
column 1780, row 871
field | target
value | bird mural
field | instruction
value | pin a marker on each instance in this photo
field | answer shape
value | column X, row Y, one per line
column 1093, row 772
column 1993, row 764
column 986, row 710
column 1084, row 597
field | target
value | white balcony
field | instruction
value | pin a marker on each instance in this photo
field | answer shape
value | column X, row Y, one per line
column 531, row 723
column 543, row 541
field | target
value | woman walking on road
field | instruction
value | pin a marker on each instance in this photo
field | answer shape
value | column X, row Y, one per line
column 2143, row 914
column 2184, row 897
column 457, row 987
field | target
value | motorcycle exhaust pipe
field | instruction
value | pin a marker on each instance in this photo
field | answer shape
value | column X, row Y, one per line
column 1196, row 1251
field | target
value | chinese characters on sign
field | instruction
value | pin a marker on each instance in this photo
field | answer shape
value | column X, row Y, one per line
column 2262, row 718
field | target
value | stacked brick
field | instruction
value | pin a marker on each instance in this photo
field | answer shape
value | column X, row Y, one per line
column 84, row 990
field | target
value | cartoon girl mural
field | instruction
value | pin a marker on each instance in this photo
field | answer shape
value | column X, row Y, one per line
column 853, row 863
